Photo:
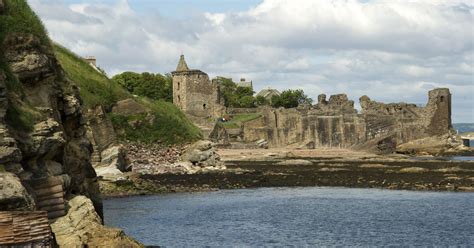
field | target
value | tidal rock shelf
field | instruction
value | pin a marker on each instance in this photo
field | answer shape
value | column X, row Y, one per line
column 396, row 174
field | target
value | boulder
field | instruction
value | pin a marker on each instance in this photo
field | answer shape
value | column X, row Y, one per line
column 203, row 154
column 262, row 144
column 109, row 173
column 114, row 157
column 13, row 196
column 82, row 227
column 128, row 107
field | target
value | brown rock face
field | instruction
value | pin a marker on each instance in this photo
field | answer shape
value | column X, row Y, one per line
column 82, row 227
column 13, row 196
column 58, row 134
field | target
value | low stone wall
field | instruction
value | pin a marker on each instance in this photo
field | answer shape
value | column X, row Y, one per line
column 242, row 110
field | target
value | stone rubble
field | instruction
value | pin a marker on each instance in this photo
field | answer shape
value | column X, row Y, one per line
column 156, row 159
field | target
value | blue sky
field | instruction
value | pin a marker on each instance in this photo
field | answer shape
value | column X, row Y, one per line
column 392, row 51
column 180, row 8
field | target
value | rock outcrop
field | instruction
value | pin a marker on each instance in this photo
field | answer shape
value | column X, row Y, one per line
column 203, row 154
column 13, row 195
column 82, row 227
column 43, row 143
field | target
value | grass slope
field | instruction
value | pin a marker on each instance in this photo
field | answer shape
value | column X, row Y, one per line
column 19, row 18
column 95, row 88
column 168, row 125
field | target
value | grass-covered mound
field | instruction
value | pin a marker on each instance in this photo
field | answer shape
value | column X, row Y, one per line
column 95, row 88
column 168, row 125
column 19, row 18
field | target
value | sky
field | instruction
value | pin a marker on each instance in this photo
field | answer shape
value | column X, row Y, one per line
column 390, row 50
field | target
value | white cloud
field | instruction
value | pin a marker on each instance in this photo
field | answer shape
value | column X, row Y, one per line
column 390, row 50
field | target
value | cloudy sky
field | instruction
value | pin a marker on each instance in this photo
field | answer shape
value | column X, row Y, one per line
column 390, row 50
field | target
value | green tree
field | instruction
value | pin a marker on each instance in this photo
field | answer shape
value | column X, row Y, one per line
column 260, row 101
column 129, row 80
column 247, row 102
column 291, row 99
column 234, row 96
column 154, row 86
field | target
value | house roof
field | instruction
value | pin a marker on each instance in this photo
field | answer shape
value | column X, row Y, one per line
column 268, row 92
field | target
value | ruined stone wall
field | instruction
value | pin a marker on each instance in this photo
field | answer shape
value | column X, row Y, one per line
column 196, row 95
column 336, row 123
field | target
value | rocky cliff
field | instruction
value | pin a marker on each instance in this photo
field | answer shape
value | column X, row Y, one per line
column 43, row 141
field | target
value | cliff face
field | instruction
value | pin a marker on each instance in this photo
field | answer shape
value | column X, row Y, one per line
column 43, row 139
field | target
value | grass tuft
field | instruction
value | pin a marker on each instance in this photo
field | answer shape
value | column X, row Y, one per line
column 18, row 17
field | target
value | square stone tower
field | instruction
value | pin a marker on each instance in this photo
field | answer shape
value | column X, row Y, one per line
column 194, row 93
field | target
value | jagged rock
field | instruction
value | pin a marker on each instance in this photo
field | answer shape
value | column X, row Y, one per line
column 15, row 168
column 203, row 154
column 25, row 55
column 47, row 138
column 72, row 105
column 82, row 227
column 219, row 134
column 110, row 173
column 436, row 145
column 128, row 107
column 9, row 154
column 262, row 143
column 114, row 157
column 13, row 196
column 54, row 168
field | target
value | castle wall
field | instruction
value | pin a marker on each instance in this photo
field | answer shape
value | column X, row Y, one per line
column 336, row 123
column 195, row 94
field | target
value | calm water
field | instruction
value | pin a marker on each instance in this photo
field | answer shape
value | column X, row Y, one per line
column 297, row 217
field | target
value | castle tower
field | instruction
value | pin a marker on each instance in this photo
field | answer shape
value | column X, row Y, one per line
column 438, row 111
column 182, row 66
column 194, row 93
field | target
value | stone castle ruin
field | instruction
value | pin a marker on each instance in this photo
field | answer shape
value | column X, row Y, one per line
column 329, row 123
column 195, row 94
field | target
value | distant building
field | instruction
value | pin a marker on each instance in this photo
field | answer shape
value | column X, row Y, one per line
column 91, row 60
column 194, row 93
column 244, row 83
column 268, row 93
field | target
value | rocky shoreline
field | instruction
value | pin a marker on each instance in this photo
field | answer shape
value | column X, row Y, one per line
column 290, row 170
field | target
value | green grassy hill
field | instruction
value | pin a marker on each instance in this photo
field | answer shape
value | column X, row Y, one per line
column 169, row 124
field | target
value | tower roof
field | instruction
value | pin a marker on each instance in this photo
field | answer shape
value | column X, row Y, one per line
column 182, row 66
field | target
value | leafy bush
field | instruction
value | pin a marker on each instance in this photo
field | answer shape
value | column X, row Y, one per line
column 234, row 96
column 154, row 86
column 290, row 99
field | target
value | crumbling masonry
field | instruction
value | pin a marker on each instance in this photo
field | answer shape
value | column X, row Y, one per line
column 329, row 123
